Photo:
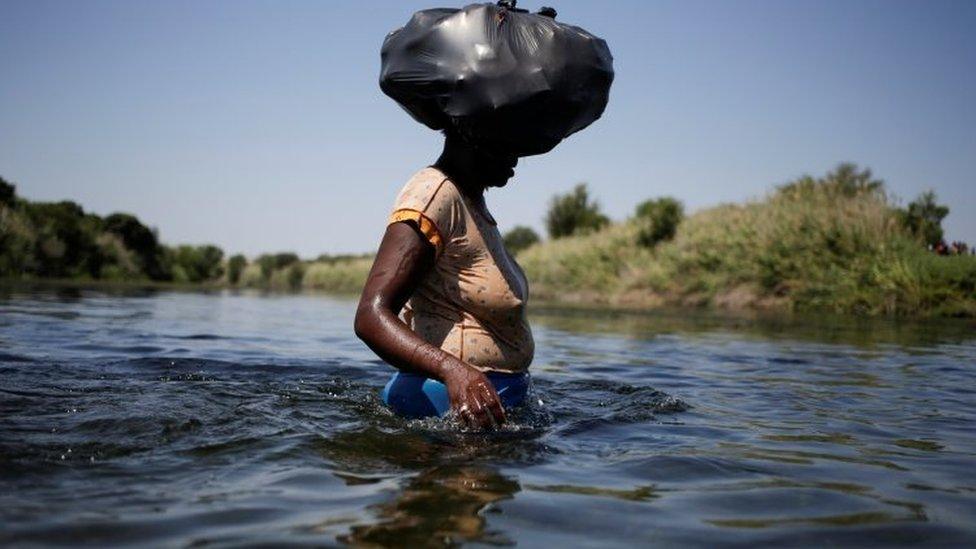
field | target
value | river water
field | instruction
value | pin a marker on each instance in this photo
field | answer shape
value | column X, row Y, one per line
column 177, row 419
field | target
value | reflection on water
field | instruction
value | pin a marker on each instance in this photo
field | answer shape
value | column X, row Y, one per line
column 144, row 417
column 444, row 504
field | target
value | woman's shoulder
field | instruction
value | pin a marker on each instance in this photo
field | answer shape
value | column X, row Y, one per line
column 426, row 187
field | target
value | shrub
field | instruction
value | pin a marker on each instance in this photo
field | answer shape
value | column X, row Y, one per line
column 196, row 263
column 574, row 213
column 141, row 241
column 8, row 192
column 235, row 266
column 923, row 218
column 520, row 238
column 252, row 277
column 273, row 262
column 658, row 220
column 17, row 243
column 845, row 180
column 118, row 262
column 295, row 274
column 66, row 236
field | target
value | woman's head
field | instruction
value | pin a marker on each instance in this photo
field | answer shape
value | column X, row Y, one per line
column 475, row 163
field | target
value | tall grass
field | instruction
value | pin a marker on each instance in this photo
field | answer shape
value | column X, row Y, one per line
column 336, row 275
column 811, row 245
column 345, row 276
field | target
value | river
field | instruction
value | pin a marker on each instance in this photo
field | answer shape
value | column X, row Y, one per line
column 139, row 417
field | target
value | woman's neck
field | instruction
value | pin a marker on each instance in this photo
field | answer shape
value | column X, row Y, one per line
column 462, row 177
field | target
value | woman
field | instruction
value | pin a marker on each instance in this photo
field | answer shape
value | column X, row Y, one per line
column 442, row 263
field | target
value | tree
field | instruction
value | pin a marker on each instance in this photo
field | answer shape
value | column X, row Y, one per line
column 849, row 180
column 846, row 180
column 8, row 192
column 658, row 220
column 574, row 213
column 141, row 241
column 923, row 218
column 235, row 266
column 272, row 262
column 520, row 238
column 66, row 243
column 197, row 263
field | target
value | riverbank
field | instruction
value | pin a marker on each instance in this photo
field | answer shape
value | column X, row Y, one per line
column 835, row 244
column 807, row 246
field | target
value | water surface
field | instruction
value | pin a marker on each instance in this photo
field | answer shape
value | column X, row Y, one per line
column 181, row 419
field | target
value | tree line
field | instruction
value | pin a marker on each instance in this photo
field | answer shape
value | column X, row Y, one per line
column 577, row 213
column 62, row 240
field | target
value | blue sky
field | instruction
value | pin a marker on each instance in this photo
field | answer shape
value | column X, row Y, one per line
column 259, row 125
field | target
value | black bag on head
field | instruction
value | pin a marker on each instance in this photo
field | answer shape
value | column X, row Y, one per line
column 503, row 78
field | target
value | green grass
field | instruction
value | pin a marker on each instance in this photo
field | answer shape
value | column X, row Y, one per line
column 344, row 275
column 814, row 247
column 340, row 276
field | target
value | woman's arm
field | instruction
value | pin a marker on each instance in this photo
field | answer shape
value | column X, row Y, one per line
column 403, row 259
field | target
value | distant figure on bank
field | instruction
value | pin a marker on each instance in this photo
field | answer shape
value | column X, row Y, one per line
column 463, row 342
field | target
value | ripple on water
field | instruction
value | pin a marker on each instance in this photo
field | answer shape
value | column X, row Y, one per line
column 266, row 427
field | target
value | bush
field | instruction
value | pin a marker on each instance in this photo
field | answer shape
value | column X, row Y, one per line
column 118, row 261
column 574, row 213
column 17, row 243
column 252, row 277
column 8, row 192
column 141, row 241
column 658, row 220
column 196, row 263
column 923, row 218
column 520, row 238
column 273, row 262
column 845, row 180
column 235, row 266
column 296, row 273
column 66, row 239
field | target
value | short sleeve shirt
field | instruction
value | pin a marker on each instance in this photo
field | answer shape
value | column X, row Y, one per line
column 472, row 303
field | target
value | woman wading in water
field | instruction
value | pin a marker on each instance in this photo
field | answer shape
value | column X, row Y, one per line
column 445, row 302
column 463, row 340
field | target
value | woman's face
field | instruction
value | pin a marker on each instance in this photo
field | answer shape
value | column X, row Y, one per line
column 497, row 167
column 483, row 163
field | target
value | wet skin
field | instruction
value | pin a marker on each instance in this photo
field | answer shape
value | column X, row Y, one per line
column 403, row 259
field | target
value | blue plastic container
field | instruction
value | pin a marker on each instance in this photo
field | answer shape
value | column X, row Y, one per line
column 415, row 396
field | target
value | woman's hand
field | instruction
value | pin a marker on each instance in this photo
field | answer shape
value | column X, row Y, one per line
column 473, row 398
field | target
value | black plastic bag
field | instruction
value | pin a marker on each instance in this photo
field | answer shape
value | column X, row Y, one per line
column 502, row 77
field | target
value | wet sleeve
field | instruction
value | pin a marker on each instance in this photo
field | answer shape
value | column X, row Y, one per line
column 430, row 207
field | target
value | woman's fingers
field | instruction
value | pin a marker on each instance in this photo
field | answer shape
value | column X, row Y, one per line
column 481, row 408
column 497, row 412
column 481, row 413
column 467, row 416
column 494, row 405
column 473, row 412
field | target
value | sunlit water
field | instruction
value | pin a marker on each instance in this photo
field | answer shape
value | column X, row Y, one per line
column 191, row 419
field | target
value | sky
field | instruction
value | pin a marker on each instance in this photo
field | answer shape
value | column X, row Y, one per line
column 259, row 125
